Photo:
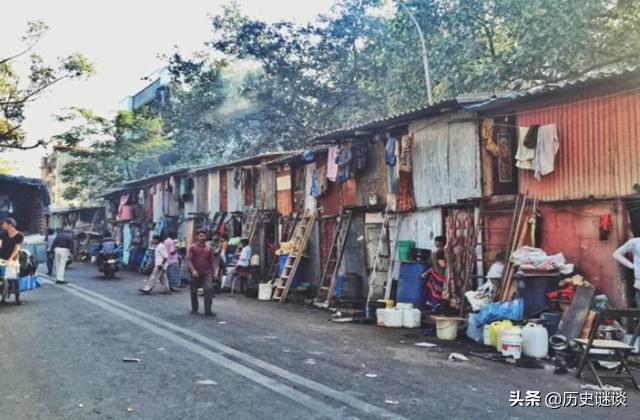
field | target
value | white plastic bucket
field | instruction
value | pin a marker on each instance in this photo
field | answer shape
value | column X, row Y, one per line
column 381, row 316
column 510, row 340
column 264, row 291
column 447, row 329
column 411, row 318
column 404, row 306
column 393, row 318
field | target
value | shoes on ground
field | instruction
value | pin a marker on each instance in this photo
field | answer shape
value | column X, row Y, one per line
column 211, row 314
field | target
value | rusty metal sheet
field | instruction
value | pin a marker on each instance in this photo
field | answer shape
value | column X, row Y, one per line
column 350, row 196
column 235, row 195
column 329, row 202
column 224, row 196
column 268, row 188
column 248, row 187
column 214, row 192
column 298, row 187
column 201, row 188
column 599, row 152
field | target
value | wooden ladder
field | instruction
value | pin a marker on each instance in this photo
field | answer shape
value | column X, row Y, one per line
column 248, row 230
column 330, row 270
column 300, row 240
column 384, row 230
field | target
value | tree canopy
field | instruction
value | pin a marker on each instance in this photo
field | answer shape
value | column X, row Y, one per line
column 16, row 94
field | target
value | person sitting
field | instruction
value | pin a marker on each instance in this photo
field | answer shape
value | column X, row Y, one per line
column 242, row 269
column 435, row 277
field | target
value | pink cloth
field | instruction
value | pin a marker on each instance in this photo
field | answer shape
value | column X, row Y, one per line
column 172, row 250
column 332, row 166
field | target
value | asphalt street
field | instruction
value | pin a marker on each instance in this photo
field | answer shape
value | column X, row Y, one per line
column 61, row 357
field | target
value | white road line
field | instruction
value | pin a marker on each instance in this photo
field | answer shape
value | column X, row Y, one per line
column 344, row 398
column 269, row 383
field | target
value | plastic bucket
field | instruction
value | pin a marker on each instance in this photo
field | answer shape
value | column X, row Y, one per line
column 411, row 318
column 381, row 316
column 403, row 249
column 494, row 331
column 264, row 291
column 447, row 329
column 511, row 342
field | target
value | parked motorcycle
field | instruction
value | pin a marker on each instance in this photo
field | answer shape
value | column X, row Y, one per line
column 109, row 265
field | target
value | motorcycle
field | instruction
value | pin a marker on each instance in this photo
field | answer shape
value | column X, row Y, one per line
column 109, row 265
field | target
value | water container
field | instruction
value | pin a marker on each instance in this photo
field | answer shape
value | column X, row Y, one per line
column 535, row 341
column 404, row 306
column 297, row 279
column 381, row 316
column 411, row 287
column 510, row 342
column 533, row 290
column 474, row 331
column 403, row 249
column 486, row 335
column 446, row 329
column 494, row 329
column 411, row 318
column 393, row 318
column 264, row 291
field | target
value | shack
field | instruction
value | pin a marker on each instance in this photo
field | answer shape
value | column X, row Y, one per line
column 27, row 201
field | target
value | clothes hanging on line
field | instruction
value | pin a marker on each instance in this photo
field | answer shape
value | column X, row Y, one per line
column 524, row 155
column 404, row 163
column 546, row 150
column 332, row 166
column 390, row 151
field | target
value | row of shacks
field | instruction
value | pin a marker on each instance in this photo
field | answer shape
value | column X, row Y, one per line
column 434, row 169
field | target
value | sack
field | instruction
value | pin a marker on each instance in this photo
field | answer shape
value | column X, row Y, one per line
column 29, row 283
column 512, row 310
column 11, row 272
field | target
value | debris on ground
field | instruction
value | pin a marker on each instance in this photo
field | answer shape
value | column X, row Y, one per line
column 425, row 344
column 458, row 357
column 206, row 382
column 222, row 322
column 342, row 320
column 391, row 402
column 81, row 405
column 131, row 359
column 310, row 361
column 371, row 375
column 130, row 409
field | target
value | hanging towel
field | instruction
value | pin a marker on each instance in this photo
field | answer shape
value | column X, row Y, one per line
column 404, row 163
column 390, row 151
column 531, row 138
column 332, row 166
column 344, row 164
column 524, row 155
column 546, row 150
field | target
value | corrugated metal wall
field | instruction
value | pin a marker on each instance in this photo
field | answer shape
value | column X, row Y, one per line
column 201, row 190
column 235, row 195
column 309, row 200
column 446, row 160
column 157, row 202
column 268, row 188
column 421, row 227
column 214, row 192
column 599, row 147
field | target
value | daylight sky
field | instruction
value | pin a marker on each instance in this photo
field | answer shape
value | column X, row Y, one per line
column 123, row 39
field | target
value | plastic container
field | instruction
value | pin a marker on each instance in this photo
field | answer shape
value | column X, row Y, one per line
column 393, row 318
column 387, row 303
column 381, row 316
column 474, row 331
column 297, row 279
column 404, row 306
column 446, row 329
column 535, row 341
column 486, row 335
column 264, row 291
column 411, row 288
column 403, row 249
column 511, row 342
column 348, row 287
column 494, row 329
column 533, row 290
column 411, row 318
column 551, row 320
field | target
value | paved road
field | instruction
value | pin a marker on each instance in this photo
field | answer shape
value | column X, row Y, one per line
column 61, row 358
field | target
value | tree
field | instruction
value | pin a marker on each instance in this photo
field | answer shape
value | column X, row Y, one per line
column 107, row 152
column 15, row 95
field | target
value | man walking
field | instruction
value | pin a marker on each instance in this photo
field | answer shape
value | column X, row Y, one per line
column 203, row 265
column 63, row 250
column 51, row 236
column 173, row 267
column 10, row 244
column 159, row 273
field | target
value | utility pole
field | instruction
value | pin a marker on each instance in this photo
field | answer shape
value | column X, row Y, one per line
column 425, row 60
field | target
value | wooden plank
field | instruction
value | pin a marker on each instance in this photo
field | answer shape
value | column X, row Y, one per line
column 572, row 323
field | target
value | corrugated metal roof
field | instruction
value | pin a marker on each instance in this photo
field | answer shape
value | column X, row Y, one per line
column 441, row 107
column 34, row 182
column 259, row 158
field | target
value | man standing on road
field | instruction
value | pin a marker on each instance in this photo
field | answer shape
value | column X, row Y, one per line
column 11, row 242
column 63, row 249
column 202, row 263
column 632, row 246
column 159, row 274
column 173, row 267
column 51, row 236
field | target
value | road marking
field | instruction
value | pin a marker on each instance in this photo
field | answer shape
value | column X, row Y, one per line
column 344, row 398
column 270, row 383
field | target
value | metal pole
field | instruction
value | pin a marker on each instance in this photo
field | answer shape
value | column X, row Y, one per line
column 425, row 60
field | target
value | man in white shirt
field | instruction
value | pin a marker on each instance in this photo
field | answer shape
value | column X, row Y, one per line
column 241, row 270
column 159, row 274
column 632, row 246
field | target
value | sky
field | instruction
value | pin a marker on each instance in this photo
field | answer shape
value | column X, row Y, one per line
column 123, row 39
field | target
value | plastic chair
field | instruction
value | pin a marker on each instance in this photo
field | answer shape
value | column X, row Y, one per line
column 614, row 351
